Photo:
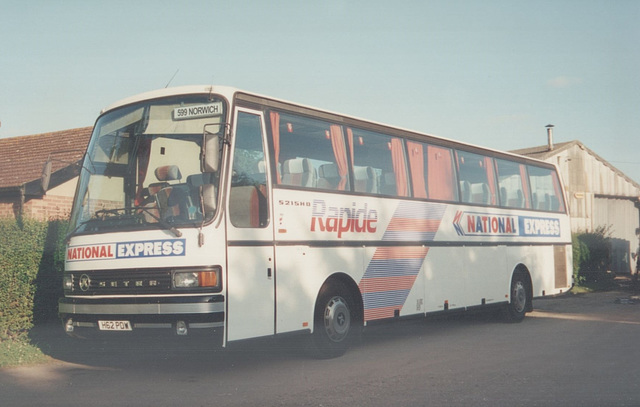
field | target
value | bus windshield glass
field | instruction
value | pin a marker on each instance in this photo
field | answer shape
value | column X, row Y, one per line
column 144, row 166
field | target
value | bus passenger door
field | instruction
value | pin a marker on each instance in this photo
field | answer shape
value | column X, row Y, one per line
column 250, row 290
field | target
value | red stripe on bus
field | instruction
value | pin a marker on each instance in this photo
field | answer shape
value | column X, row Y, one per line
column 372, row 285
column 384, row 253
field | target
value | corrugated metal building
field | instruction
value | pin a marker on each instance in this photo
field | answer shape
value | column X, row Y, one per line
column 598, row 194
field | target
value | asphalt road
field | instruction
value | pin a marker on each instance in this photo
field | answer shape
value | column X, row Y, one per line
column 576, row 350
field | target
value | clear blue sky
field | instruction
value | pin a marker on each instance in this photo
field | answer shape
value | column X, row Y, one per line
column 491, row 72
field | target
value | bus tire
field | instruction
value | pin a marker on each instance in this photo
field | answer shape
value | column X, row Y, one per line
column 335, row 321
column 520, row 298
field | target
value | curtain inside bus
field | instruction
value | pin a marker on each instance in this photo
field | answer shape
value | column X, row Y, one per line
column 275, row 133
column 491, row 179
column 399, row 167
column 440, row 177
column 337, row 143
column 525, row 186
column 416, row 166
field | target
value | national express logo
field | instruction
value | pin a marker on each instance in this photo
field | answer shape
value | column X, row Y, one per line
column 483, row 224
column 341, row 220
column 127, row 250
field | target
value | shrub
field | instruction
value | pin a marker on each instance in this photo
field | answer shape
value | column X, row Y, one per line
column 31, row 262
column 592, row 255
column 580, row 252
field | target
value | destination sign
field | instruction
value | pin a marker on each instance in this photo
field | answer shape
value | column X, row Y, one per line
column 197, row 111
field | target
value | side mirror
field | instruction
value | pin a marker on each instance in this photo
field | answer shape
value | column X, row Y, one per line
column 45, row 177
column 209, row 198
column 210, row 150
column 47, row 169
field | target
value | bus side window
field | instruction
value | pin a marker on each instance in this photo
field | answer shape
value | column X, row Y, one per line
column 476, row 172
column 299, row 172
column 512, row 181
column 432, row 172
column 379, row 163
column 545, row 188
column 441, row 179
column 310, row 153
column 248, row 204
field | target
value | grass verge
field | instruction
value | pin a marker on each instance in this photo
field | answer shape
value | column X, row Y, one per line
column 605, row 284
column 20, row 352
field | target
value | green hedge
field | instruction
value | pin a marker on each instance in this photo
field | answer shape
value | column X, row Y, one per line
column 591, row 255
column 31, row 265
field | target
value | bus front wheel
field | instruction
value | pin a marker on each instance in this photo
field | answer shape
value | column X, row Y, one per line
column 334, row 322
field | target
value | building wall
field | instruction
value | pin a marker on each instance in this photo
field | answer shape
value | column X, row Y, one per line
column 598, row 196
column 49, row 207
column 56, row 204
column 586, row 178
column 8, row 207
column 618, row 216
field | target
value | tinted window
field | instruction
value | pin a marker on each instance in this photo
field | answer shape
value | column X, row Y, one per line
column 546, row 194
column 476, row 178
column 512, row 184
column 248, row 201
column 310, row 153
column 432, row 171
column 379, row 165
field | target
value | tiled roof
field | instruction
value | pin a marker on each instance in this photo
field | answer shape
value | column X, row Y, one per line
column 22, row 158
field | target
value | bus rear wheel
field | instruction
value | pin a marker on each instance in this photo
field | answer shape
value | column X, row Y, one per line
column 520, row 300
column 334, row 322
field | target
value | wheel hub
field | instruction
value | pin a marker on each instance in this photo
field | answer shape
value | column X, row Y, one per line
column 337, row 319
column 519, row 297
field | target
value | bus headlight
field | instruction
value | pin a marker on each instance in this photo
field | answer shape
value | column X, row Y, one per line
column 67, row 282
column 196, row 279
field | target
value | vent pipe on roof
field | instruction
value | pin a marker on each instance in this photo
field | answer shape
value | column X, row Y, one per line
column 550, row 136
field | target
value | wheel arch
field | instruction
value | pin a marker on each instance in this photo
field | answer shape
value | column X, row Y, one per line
column 353, row 289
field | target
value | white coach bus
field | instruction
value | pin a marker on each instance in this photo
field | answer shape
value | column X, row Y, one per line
column 210, row 207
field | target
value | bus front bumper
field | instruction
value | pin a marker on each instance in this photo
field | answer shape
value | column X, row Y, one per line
column 132, row 313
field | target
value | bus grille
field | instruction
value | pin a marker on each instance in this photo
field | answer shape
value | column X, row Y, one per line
column 111, row 282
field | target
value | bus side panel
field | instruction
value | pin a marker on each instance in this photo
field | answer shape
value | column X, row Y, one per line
column 300, row 273
column 444, row 279
column 390, row 284
column 543, row 276
column 521, row 255
column 250, row 293
column 486, row 274
column 415, row 301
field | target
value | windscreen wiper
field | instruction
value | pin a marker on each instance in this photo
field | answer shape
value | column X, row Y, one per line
column 160, row 221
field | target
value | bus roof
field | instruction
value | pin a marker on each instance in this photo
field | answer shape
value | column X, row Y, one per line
column 180, row 90
column 229, row 92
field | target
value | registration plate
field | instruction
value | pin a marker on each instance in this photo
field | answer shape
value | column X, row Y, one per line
column 114, row 325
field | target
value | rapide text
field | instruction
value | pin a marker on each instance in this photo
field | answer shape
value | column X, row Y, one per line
column 341, row 220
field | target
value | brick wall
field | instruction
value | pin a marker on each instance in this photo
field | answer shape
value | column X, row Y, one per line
column 8, row 208
column 49, row 207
